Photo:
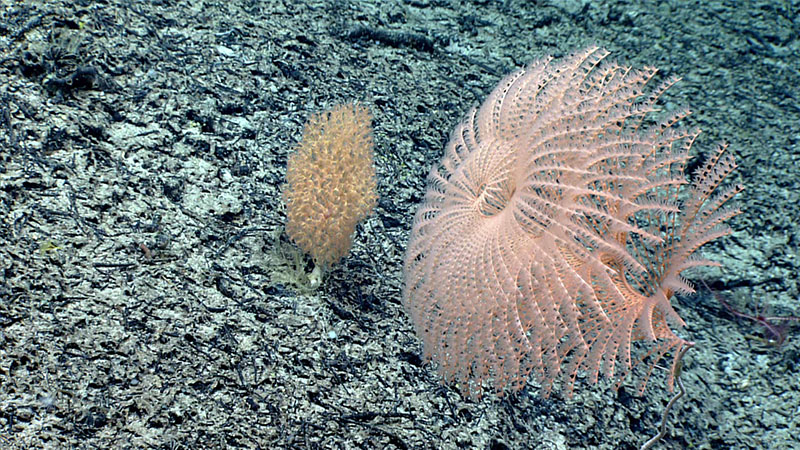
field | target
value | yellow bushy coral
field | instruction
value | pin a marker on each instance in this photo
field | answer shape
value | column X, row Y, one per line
column 331, row 184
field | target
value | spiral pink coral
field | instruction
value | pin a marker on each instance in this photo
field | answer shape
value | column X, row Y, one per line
column 551, row 236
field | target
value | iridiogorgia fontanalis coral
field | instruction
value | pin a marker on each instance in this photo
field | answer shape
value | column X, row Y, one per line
column 331, row 184
column 554, row 231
